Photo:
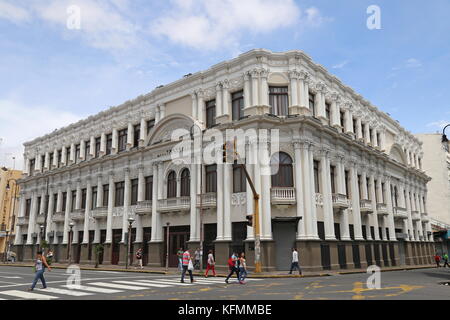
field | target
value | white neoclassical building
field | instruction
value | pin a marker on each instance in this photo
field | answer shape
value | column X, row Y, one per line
column 350, row 190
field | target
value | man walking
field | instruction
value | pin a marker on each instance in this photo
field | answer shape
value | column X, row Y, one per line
column 180, row 258
column 187, row 266
column 445, row 258
column 233, row 265
column 197, row 259
column 139, row 255
column 294, row 264
column 437, row 258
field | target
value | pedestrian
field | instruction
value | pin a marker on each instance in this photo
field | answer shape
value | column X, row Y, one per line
column 139, row 256
column 437, row 258
column 233, row 265
column 242, row 268
column 197, row 259
column 445, row 258
column 180, row 258
column 50, row 257
column 294, row 264
column 187, row 266
column 210, row 264
column 39, row 266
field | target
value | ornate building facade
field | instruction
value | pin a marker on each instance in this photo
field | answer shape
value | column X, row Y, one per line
column 350, row 190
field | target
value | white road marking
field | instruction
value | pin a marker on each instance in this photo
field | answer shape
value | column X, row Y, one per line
column 118, row 286
column 141, row 283
column 66, row 292
column 10, row 277
column 95, row 289
column 27, row 295
column 174, row 283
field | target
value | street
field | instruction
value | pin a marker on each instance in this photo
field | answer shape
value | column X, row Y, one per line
column 108, row 285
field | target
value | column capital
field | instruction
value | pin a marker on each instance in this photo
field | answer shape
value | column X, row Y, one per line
column 293, row 74
column 303, row 75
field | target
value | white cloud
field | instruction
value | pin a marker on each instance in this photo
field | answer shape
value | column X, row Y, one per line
column 413, row 63
column 340, row 65
column 22, row 123
column 13, row 13
column 440, row 124
column 212, row 24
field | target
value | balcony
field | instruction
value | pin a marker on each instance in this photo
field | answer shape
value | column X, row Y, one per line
column 77, row 215
column 59, row 217
column 143, row 207
column 174, row 204
column 282, row 196
column 40, row 219
column 425, row 217
column 415, row 216
column 365, row 205
column 100, row 213
column 382, row 209
column 340, row 201
column 208, row 200
column 400, row 213
column 22, row 221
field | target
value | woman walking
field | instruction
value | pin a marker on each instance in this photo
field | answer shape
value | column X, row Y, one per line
column 210, row 264
column 40, row 265
column 242, row 269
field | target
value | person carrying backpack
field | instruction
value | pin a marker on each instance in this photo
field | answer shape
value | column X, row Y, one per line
column 233, row 265
column 139, row 257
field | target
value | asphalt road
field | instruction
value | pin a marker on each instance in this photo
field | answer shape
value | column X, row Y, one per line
column 106, row 285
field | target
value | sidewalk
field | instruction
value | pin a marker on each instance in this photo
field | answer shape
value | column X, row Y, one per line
column 174, row 271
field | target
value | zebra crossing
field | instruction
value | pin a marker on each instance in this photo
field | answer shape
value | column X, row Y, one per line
column 91, row 288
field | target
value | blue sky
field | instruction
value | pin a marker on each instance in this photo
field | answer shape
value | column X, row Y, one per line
column 52, row 76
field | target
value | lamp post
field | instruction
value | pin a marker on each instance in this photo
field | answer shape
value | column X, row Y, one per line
column 71, row 224
column 11, row 214
column 167, row 246
column 6, row 247
column 201, row 190
column 41, row 235
column 444, row 137
column 130, row 222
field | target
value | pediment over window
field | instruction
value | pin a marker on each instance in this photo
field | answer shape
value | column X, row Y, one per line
column 164, row 129
column 397, row 154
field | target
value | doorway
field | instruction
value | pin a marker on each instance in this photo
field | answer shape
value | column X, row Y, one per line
column 178, row 238
column 115, row 252
column 284, row 235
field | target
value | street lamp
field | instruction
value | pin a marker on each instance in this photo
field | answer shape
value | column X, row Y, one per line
column 71, row 224
column 444, row 137
column 167, row 246
column 6, row 247
column 201, row 190
column 130, row 222
column 41, row 233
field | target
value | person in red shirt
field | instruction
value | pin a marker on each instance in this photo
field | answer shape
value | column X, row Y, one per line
column 437, row 258
column 187, row 266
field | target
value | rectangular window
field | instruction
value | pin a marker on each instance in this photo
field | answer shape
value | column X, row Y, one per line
column 211, row 114
column 97, row 146
column 360, row 187
column 42, row 162
column 108, row 144
column 239, row 180
column 347, row 184
column 32, row 166
column 87, row 149
column 137, row 135
column 354, row 125
column 105, row 195
column 39, row 204
column 342, row 118
column 83, row 198
column 328, row 112
column 123, row 134
column 278, row 100
column 27, row 207
column 150, row 125
column 370, row 135
column 120, row 192
column 59, row 158
column 64, row 201
column 149, row 188
column 50, row 163
column 312, row 105
column 94, row 198
column 55, row 202
column 134, row 191
column 316, row 176
column 237, row 102
column 77, row 153
column 211, row 178
column 368, row 189
column 363, row 129
column 74, row 200
column 332, row 173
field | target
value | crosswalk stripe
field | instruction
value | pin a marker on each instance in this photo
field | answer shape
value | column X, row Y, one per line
column 118, row 286
column 95, row 289
column 140, row 283
column 27, row 295
column 66, row 292
column 174, row 283
column 208, row 282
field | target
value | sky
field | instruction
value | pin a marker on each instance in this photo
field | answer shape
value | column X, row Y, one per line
column 56, row 69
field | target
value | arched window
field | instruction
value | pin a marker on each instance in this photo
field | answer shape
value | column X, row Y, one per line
column 171, row 185
column 185, row 183
column 281, row 168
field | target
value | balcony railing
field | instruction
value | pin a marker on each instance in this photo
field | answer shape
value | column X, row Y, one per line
column 208, row 200
column 40, row 219
column 415, row 215
column 77, row 215
column 22, row 221
column 340, row 201
column 400, row 213
column 174, row 204
column 365, row 205
column 59, row 217
column 100, row 213
column 382, row 209
column 144, row 207
column 281, row 195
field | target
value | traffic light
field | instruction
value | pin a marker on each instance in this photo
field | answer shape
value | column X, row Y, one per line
column 249, row 220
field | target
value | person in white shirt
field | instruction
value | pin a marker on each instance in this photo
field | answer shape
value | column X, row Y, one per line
column 294, row 264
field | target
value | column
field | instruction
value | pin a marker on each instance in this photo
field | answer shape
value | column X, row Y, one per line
column 250, row 160
column 55, row 158
column 321, row 102
column 31, row 222
column 293, row 75
column 303, row 94
column 115, row 141
column 92, row 146
column 255, row 87
column 157, row 114
column 143, row 131
column 266, row 214
column 162, row 111
column 335, row 114
column 111, row 195
column 227, row 184
column 157, row 193
column 194, row 105
column 220, row 197
column 355, row 203
column 87, row 211
column 130, row 135
column 64, row 156
column 50, row 209
column 195, row 189
column 348, row 121
column 247, row 94
column 82, row 149
column 103, row 144
column 19, row 231
column 77, row 207
column 47, row 161
column 374, row 138
column 99, row 201
column 325, row 178
column 408, row 222
column 67, row 214
column 374, row 215
column 219, row 100
column 299, row 174
column 226, row 99
column 309, row 192
column 359, row 134
column 344, row 223
column 72, row 153
column 390, row 218
column 200, row 106
column 140, row 198
column 419, row 223
column 126, row 205
column 367, row 133
column 264, row 98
